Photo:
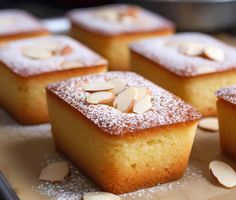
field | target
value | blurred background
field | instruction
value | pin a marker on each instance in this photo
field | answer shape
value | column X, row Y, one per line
column 189, row 15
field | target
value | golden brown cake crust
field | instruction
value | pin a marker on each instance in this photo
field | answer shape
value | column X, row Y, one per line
column 19, row 36
column 26, row 67
column 167, row 109
column 164, row 52
column 148, row 21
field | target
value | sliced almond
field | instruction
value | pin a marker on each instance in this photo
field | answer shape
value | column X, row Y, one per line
column 223, row 173
column 100, row 196
column 98, row 86
column 65, row 50
column 37, row 53
column 49, row 45
column 71, row 64
column 108, row 15
column 209, row 124
column 55, row 172
column 127, row 20
column 6, row 22
column 173, row 44
column 101, row 62
column 124, row 101
column 205, row 69
column 132, row 11
column 142, row 105
column 143, row 92
column 119, row 85
column 191, row 49
column 100, row 98
column 213, row 53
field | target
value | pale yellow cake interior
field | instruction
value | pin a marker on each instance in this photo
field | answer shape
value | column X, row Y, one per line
column 198, row 91
column 25, row 98
column 227, row 127
column 121, row 164
column 115, row 49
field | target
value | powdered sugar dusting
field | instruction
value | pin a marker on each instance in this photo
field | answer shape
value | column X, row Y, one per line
column 166, row 109
column 227, row 94
column 26, row 66
column 73, row 187
column 146, row 21
column 164, row 52
column 13, row 21
column 191, row 174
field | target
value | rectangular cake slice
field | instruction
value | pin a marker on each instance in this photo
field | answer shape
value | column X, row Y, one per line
column 191, row 65
column 122, row 131
column 18, row 24
column 27, row 66
column 115, row 27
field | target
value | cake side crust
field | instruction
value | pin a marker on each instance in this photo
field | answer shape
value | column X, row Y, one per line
column 18, row 36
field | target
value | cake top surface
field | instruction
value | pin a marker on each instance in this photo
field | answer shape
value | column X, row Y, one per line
column 35, row 56
column 227, row 93
column 14, row 21
column 188, row 54
column 166, row 108
column 118, row 19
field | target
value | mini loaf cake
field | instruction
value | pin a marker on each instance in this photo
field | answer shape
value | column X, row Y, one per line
column 109, row 29
column 27, row 66
column 191, row 65
column 121, row 130
column 18, row 24
column 226, row 111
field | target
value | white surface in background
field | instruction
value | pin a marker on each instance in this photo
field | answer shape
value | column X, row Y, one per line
column 57, row 25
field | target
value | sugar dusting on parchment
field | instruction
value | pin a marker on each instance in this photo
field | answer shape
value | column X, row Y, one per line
column 73, row 187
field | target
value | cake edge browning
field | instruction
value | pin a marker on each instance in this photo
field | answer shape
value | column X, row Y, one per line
column 84, row 71
column 24, row 35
